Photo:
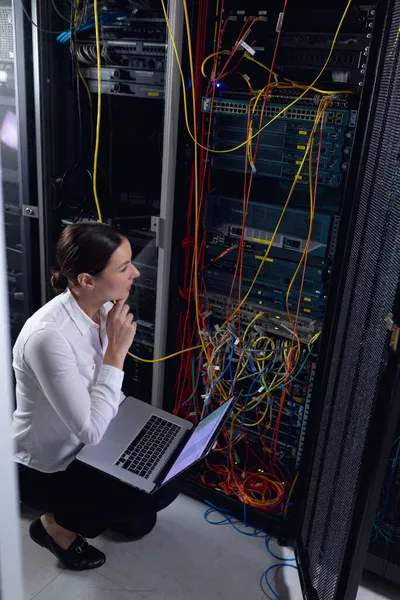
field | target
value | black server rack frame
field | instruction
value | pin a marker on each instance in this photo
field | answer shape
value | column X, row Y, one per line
column 235, row 104
column 133, row 53
column 336, row 571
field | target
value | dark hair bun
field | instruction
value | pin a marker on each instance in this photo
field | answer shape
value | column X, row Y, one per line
column 84, row 247
column 58, row 281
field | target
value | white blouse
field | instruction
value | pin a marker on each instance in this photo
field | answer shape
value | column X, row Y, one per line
column 65, row 396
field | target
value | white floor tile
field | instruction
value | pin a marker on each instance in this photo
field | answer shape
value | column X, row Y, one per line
column 88, row 585
column 40, row 566
column 134, row 570
column 184, row 558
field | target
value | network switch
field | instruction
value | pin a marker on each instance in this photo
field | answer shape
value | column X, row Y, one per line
column 151, row 78
column 225, row 216
column 256, row 248
column 280, row 149
column 275, row 271
column 264, row 294
column 297, row 112
column 273, row 321
column 128, row 89
column 228, row 133
column 230, row 162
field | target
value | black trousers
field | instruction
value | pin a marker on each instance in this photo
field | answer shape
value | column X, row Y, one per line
column 88, row 501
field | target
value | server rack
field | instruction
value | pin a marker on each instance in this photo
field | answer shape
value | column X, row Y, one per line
column 135, row 177
column 150, row 210
column 17, row 175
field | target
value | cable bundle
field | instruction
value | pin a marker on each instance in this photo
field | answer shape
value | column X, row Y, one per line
column 104, row 19
column 237, row 356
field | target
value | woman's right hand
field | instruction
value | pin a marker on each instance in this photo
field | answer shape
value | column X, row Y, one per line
column 121, row 330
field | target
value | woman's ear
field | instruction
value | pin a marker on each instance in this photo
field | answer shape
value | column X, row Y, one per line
column 86, row 281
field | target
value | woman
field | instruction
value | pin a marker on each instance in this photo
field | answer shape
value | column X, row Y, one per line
column 68, row 363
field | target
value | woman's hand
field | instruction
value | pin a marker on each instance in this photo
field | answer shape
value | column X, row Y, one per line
column 121, row 330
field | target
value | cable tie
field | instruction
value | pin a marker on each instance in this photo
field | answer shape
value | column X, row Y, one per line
column 217, row 328
column 279, row 22
column 244, row 475
column 261, row 389
column 246, row 76
column 247, row 48
column 237, row 341
column 216, row 368
column 253, row 167
column 192, row 414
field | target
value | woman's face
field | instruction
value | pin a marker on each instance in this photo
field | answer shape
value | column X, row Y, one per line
column 116, row 280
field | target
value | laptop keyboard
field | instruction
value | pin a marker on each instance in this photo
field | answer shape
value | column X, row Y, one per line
column 147, row 449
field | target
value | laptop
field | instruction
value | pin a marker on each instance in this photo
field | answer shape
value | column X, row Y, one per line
column 146, row 447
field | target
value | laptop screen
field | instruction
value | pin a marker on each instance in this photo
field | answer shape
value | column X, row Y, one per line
column 199, row 440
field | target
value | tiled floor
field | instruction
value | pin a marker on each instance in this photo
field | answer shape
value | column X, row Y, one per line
column 183, row 558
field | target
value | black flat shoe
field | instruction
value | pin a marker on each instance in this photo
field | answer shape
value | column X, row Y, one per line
column 136, row 529
column 78, row 557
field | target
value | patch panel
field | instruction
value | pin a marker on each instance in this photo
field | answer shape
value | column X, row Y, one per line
column 136, row 47
column 140, row 29
column 124, row 53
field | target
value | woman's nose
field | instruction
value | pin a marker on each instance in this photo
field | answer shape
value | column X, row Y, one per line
column 135, row 272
